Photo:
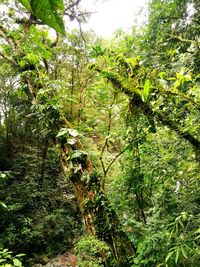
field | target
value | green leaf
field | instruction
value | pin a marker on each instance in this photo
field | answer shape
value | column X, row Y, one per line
column 140, row 247
column 197, row 237
column 17, row 262
column 197, row 231
column 169, row 255
column 26, row 4
column 181, row 224
column 6, row 250
column 162, row 74
column 3, row 205
column 63, row 131
column 177, row 255
column 145, row 92
column 184, row 252
column 171, row 234
column 49, row 11
column 20, row 255
column 77, row 154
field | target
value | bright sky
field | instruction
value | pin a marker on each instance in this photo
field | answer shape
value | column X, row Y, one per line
column 114, row 14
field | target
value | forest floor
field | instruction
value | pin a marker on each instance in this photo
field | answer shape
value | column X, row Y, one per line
column 67, row 259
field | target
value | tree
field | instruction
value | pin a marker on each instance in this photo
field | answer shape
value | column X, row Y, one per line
column 142, row 134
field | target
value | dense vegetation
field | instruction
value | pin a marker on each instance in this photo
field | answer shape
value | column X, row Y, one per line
column 99, row 140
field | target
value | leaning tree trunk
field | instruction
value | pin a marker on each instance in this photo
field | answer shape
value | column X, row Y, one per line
column 99, row 217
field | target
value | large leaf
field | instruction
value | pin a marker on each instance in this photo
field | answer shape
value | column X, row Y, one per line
column 17, row 263
column 26, row 3
column 49, row 11
column 73, row 132
column 145, row 92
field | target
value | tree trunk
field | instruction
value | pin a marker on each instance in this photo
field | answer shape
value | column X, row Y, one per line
column 99, row 217
column 71, row 95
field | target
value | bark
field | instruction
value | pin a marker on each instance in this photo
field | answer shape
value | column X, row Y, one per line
column 71, row 95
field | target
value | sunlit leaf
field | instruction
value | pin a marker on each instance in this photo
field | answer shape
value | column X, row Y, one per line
column 17, row 262
column 72, row 132
column 177, row 255
column 3, row 205
column 197, row 231
column 49, row 11
column 77, row 154
column 20, row 255
column 169, row 255
column 6, row 250
column 26, row 3
column 145, row 92
column 63, row 131
column 71, row 141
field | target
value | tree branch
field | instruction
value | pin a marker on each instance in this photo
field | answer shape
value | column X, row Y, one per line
column 147, row 110
column 9, row 59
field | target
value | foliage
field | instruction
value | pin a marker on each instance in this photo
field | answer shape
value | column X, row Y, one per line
column 92, row 252
column 8, row 260
column 49, row 11
column 134, row 102
column 40, row 209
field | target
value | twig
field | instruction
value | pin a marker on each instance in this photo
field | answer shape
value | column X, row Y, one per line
column 107, row 138
column 105, row 170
